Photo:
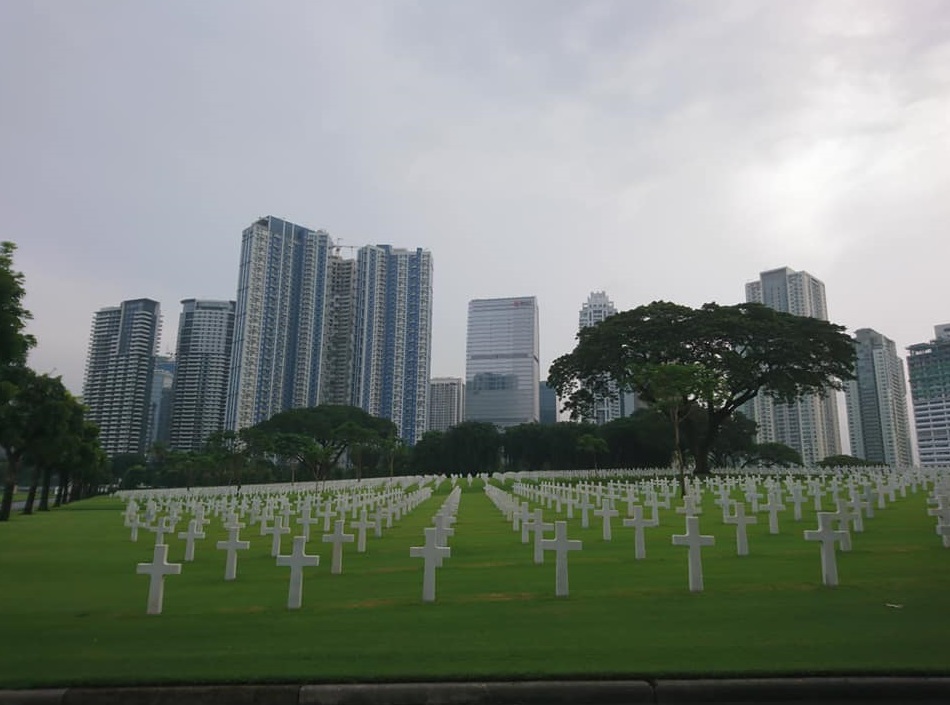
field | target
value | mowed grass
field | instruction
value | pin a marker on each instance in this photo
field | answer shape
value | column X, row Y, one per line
column 72, row 608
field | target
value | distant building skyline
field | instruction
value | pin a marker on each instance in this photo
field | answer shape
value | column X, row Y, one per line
column 597, row 309
column 876, row 399
column 810, row 425
column 120, row 366
column 928, row 367
column 203, row 358
column 501, row 361
column 446, row 403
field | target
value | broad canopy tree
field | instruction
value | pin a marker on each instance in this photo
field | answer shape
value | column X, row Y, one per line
column 315, row 438
column 737, row 352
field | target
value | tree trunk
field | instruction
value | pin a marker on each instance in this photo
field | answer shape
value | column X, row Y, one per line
column 31, row 495
column 13, row 465
column 44, row 491
column 61, row 490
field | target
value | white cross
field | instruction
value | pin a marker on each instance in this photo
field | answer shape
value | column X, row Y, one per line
column 297, row 561
column 276, row 532
column 524, row 515
column 741, row 520
column 432, row 554
column 827, row 536
column 232, row 546
column 538, row 526
column 189, row 537
column 773, row 507
column 165, row 526
column 337, row 538
column 157, row 570
column 639, row 523
column 306, row 520
column 135, row 523
column 584, row 504
column 695, row 541
column 606, row 512
column 561, row 545
column 843, row 516
column 443, row 528
column 361, row 526
column 797, row 499
column 689, row 507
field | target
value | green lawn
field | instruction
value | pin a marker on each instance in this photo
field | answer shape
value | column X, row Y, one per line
column 73, row 608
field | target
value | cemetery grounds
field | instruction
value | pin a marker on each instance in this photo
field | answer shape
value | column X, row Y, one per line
column 73, row 608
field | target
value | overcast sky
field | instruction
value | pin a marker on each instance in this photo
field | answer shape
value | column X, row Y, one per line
column 654, row 150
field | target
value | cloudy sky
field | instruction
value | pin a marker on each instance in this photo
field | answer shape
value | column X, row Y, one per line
column 654, row 150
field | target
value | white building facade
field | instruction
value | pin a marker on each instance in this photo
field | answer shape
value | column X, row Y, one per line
column 809, row 425
column 446, row 403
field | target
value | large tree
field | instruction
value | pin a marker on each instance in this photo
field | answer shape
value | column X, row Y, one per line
column 313, row 439
column 743, row 350
column 14, row 341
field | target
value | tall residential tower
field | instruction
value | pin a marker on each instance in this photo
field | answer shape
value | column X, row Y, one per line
column 199, row 399
column 280, row 321
column 392, row 343
column 928, row 366
column 877, row 402
column 502, row 371
column 117, row 389
column 446, row 403
column 810, row 425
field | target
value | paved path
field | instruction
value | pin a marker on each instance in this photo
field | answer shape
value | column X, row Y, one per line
column 814, row 691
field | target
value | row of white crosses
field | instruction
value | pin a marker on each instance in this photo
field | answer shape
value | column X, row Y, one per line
column 517, row 513
column 863, row 492
column 297, row 560
column 436, row 548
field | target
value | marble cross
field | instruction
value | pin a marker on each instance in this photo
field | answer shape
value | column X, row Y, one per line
column 432, row 554
column 695, row 542
column 297, row 561
column 157, row 570
column 561, row 545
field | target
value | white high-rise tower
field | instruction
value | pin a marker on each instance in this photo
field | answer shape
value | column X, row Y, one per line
column 810, row 425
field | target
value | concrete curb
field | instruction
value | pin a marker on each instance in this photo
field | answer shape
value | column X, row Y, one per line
column 748, row 690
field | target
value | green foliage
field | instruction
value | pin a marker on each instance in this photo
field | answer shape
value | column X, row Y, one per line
column 738, row 351
column 774, row 455
column 313, row 439
column 840, row 461
column 14, row 341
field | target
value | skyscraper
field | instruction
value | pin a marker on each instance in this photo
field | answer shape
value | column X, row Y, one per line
column 502, row 361
column 928, row 366
column 280, row 321
column 446, row 403
column 160, row 404
column 119, row 371
column 312, row 328
column 392, row 343
column 205, row 333
column 877, row 402
column 595, row 310
column 810, row 425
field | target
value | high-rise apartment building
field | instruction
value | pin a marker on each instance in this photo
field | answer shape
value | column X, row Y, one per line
column 615, row 405
column 810, row 425
column 446, row 403
column 313, row 328
column 877, row 402
column 280, row 321
column 392, row 343
column 502, row 369
column 928, row 366
column 119, row 370
column 160, row 404
column 205, row 334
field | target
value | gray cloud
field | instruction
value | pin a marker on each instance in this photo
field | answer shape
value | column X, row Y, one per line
column 655, row 150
